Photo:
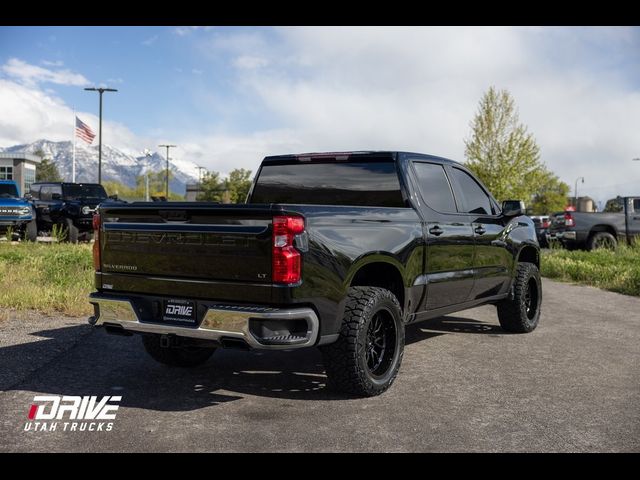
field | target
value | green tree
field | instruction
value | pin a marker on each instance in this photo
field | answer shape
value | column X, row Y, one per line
column 212, row 188
column 501, row 152
column 238, row 185
column 137, row 193
column 46, row 171
column 124, row 192
column 614, row 205
column 551, row 195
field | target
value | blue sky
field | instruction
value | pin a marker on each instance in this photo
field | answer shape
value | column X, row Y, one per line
column 161, row 75
column 228, row 96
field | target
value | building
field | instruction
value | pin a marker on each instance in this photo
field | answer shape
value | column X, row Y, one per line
column 20, row 167
column 584, row 204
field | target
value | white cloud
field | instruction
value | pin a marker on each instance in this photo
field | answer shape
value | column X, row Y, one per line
column 340, row 88
column 32, row 74
column 150, row 41
column 250, row 62
column 30, row 113
column 183, row 31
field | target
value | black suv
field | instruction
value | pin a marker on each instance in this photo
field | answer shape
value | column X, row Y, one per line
column 69, row 205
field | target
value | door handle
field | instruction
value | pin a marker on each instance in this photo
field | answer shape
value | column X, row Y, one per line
column 436, row 230
column 480, row 230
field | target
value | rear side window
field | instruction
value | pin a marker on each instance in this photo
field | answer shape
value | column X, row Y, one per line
column 434, row 187
column 476, row 200
column 348, row 183
column 636, row 204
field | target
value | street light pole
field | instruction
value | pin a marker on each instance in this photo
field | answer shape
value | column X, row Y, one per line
column 167, row 174
column 147, row 155
column 575, row 191
column 100, row 90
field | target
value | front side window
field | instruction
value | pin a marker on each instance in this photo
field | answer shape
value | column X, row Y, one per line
column 476, row 200
column 35, row 191
column 434, row 187
column 45, row 193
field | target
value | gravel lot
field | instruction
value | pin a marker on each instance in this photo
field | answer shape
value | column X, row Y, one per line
column 465, row 385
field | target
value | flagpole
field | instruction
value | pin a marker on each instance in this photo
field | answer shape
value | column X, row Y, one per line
column 73, row 163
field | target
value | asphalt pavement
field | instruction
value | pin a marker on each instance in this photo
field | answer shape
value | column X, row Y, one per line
column 464, row 385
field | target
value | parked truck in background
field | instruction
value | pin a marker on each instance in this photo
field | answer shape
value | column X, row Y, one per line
column 591, row 231
column 334, row 250
column 16, row 214
column 70, row 206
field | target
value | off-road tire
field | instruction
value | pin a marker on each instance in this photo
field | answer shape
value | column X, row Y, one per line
column 347, row 361
column 176, row 356
column 602, row 240
column 72, row 231
column 522, row 313
column 31, row 231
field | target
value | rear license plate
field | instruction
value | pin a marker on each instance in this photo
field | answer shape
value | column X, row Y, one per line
column 183, row 311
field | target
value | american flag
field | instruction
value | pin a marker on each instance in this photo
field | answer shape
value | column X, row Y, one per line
column 84, row 132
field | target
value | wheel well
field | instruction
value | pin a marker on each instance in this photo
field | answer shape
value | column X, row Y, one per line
column 529, row 254
column 383, row 275
column 603, row 228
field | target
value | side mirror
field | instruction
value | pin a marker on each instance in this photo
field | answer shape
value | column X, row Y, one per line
column 513, row 208
column 113, row 197
column 28, row 196
column 56, row 196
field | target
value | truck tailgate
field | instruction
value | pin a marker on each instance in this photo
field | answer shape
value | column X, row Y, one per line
column 187, row 239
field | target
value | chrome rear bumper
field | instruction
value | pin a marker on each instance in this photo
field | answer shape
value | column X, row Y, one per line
column 220, row 322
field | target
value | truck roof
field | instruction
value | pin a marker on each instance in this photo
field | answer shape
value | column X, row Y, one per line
column 13, row 182
column 391, row 155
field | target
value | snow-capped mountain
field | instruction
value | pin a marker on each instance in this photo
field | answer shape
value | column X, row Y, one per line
column 116, row 165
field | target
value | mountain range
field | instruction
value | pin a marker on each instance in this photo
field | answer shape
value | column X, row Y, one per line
column 116, row 164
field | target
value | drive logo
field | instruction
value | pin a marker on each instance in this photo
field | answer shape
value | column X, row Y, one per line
column 182, row 310
column 72, row 413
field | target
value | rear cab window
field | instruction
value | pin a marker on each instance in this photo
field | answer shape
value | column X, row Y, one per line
column 434, row 187
column 354, row 182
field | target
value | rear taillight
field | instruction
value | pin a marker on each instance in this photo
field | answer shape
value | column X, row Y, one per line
column 286, row 263
column 96, row 243
column 545, row 223
column 569, row 220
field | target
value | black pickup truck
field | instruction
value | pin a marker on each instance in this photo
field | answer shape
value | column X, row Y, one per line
column 591, row 231
column 334, row 250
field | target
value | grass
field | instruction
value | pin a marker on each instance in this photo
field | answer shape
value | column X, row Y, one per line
column 618, row 271
column 46, row 277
